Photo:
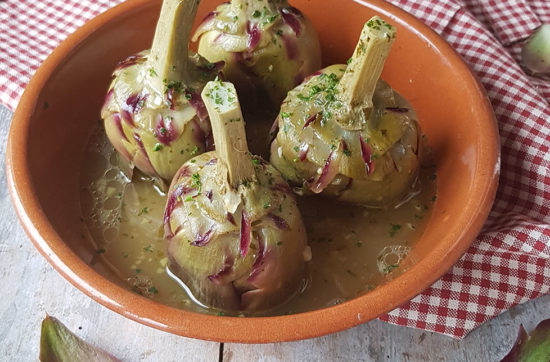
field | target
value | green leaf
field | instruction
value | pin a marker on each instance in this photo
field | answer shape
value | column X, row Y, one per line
column 59, row 344
column 531, row 348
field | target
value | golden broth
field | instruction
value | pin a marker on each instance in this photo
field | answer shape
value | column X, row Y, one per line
column 354, row 249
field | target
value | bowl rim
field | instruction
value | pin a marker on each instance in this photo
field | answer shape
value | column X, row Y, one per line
column 234, row 329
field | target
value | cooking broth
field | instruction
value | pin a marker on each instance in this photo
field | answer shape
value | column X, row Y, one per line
column 354, row 249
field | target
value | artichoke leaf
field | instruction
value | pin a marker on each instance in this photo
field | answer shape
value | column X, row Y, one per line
column 59, row 344
column 531, row 348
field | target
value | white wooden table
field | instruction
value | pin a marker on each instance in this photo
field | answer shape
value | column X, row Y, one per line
column 31, row 288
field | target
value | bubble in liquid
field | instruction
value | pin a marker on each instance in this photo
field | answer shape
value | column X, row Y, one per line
column 111, row 204
column 111, row 174
column 335, row 301
column 102, row 184
column 390, row 257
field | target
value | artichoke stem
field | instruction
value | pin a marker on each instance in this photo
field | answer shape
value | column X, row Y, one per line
column 228, row 128
column 356, row 88
column 170, row 49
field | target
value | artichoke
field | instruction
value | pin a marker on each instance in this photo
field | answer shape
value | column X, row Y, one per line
column 535, row 53
column 346, row 134
column 266, row 45
column 235, row 237
column 153, row 112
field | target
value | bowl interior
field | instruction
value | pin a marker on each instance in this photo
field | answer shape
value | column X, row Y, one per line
column 61, row 107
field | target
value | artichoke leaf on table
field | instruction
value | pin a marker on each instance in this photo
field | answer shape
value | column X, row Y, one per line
column 59, row 344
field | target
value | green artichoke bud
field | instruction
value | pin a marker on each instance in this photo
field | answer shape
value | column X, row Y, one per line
column 535, row 53
column 267, row 45
column 59, row 344
column 153, row 113
column 236, row 239
column 347, row 134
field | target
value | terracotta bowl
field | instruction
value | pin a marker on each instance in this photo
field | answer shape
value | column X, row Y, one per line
column 61, row 106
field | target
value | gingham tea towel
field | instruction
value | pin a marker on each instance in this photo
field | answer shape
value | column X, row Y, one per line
column 509, row 262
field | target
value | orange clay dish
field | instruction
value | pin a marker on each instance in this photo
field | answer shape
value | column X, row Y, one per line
column 117, row 239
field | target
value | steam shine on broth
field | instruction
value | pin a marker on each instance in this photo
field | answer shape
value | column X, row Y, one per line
column 354, row 249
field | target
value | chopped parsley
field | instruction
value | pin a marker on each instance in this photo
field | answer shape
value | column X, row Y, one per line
column 394, row 229
column 177, row 87
column 218, row 99
column 390, row 268
column 197, row 181
column 272, row 18
column 145, row 210
column 303, row 98
column 157, row 147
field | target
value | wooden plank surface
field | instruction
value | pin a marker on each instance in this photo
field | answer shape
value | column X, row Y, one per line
column 32, row 288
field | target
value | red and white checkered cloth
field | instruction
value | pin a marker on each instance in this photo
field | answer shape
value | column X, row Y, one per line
column 509, row 262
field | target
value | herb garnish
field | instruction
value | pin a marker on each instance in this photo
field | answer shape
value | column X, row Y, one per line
column 197, row 182
column 390, row 268
column 394, row 229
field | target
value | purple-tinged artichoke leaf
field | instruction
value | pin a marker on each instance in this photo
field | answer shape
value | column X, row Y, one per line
column 534, row 347
column 59, row 344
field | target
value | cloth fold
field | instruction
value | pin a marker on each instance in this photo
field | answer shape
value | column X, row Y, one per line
column 509, row 262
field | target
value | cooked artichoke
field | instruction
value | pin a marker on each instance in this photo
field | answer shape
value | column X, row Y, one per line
column 235, row 235
column 347, row 134
column 153, row 112
column 267, row 45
